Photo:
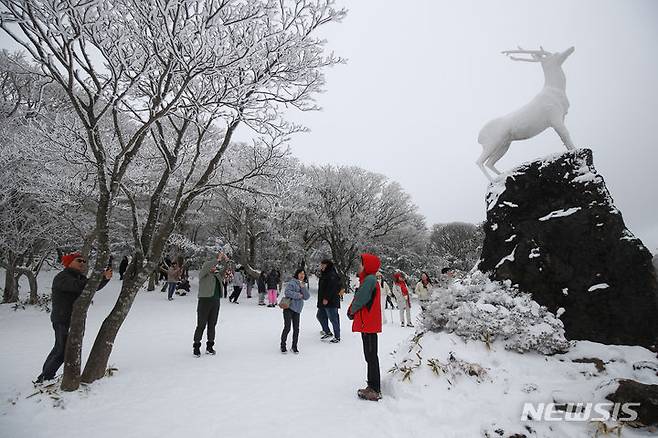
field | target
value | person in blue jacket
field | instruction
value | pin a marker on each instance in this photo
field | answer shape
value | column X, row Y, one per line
column 297, row 291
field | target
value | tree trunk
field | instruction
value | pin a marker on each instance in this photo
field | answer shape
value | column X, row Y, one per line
column 100, row 352
column 10, row 294
column 73, row 354
column 32, row 280
column 152, row 278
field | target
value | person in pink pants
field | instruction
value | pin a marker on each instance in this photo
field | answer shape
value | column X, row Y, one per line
column 271, row 297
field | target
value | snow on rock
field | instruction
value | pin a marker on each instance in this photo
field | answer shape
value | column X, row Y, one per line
column 583, row 241
column 512, row 237
column 560, row 213
column 534, row 253
column 495, row 189
column 507, row 258
column 478, row 308
column 598, row 286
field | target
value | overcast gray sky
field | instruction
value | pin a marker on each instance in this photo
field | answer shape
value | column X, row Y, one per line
column 423, row 76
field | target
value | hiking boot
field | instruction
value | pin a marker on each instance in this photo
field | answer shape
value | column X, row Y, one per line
column 283, row 349
column 196, row 350
column 42, row 379
column 370, row 394
column 210, row 350
column 401, row 324
column 361, row 391
column 326, row 336
column 410, row 325
column 335, row 340
column 295, row 350
column 170, row 299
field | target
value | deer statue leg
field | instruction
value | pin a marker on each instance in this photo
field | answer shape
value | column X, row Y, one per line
column 484, row 156
column 563, row 132
column 495, row 156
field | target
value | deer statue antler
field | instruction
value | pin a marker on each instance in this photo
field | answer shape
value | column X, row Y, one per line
column 537, row 55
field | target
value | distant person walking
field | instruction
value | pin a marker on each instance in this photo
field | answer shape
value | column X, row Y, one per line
column 238, row 280
column 329, row 286
column 272, row 287
column 249, row 283
column 297, row 291
column 262, row 288
column 447, row 277
column 404, row 301
column 210, row 291
column 67, row 287
column 123, row 266
column 173, row 276
column 385, row 292
column 366, row 315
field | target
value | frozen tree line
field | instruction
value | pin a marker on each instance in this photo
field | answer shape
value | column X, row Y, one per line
column 117, row 137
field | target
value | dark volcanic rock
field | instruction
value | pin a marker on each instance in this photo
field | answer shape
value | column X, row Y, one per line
column 553, row 230
column 630, row 391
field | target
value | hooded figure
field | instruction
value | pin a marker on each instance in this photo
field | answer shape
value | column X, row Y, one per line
column 366, row 313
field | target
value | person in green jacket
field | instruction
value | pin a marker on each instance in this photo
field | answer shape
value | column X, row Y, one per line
column 211, row 286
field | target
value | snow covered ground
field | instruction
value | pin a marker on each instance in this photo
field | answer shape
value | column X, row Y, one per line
column 251, row 390
column 160, row 390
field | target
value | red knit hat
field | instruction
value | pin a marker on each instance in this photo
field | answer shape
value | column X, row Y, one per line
column 68, row 258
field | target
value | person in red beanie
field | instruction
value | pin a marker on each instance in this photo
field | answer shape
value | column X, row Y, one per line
column 67, row 287
column 366, row 315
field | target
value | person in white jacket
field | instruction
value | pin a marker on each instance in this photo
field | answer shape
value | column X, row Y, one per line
column 385, row 295
column 424, row 290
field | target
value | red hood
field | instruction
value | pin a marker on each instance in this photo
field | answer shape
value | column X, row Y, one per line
column 371, row 265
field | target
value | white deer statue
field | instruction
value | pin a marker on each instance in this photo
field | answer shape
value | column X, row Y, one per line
column 546, row 109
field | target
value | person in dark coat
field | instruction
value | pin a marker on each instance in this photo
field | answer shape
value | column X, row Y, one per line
column 67, row 287
column 272, row 287
column 123, row 266
column 329, row 286
column 262, row 288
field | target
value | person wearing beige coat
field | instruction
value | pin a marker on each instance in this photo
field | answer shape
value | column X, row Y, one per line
column 424, row 290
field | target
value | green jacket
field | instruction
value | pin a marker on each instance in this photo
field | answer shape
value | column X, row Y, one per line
column 207, row 278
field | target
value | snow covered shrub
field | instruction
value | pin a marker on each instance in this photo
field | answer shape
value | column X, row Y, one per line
column 481, row 309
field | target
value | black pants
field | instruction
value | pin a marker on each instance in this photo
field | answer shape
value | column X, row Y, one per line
column 370, row 353
column 207, row 312
column 290, row 316
column 56, row 357
column 237, row 290
column 389, row 301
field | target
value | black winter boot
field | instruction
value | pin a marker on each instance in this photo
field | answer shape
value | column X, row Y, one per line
column 209, row 349
column 196, row 349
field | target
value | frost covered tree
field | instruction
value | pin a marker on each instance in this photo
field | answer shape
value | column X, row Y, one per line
column 459, row 243
column 180, row 76
column 35, row 202
column 354, row 209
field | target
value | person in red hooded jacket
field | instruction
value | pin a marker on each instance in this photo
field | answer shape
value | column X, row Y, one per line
column 366, row 315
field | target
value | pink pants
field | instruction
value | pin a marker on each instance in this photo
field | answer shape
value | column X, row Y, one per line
column 271, row 296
